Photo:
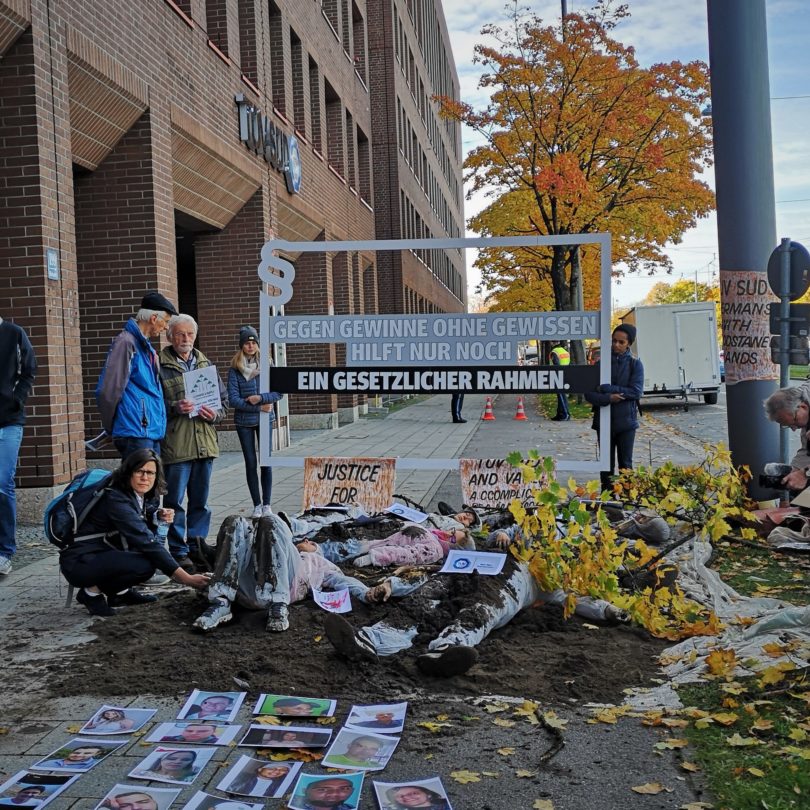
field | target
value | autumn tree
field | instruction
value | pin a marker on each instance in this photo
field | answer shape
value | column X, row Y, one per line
column 577, row 137
column 682, row 292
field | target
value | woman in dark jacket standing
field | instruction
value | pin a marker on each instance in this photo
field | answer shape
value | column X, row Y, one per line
column 116, row 547
column 248, row 403
column 622, row 394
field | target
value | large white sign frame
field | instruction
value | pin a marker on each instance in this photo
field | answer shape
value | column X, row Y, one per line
column 278, row 272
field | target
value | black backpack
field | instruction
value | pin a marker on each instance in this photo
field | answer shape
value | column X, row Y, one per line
column 65, row 514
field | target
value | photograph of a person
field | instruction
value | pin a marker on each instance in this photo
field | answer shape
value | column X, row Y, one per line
column 221, row 706
column 132, row 797
column 363, row 751
column 205, row 801
column 259, row 736
column 116, row 720
column 290, row 706
column 194, row 732
column 384, row 718
column 259, row 778
column 327, row 792
column 26, row 789
column 179, row 766
column 425, row 794
column 78, row 755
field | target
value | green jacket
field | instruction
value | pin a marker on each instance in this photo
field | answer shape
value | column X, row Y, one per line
column 187, row 439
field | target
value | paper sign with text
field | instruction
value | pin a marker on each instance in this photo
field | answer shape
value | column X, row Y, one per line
column 202, row 388
column 366, row 482
column 494, row 483
column 465, row 562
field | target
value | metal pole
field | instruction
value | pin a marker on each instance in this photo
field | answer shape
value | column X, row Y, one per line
column 784, row 337
column 746, row 226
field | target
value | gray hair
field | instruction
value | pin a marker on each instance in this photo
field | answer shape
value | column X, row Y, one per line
column 143, row 315
column 176, row 320
column 785, row 400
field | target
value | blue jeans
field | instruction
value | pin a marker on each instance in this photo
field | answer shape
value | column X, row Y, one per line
column 190, row 479
column 129, row 444
column 10, row 438
column 249, row 439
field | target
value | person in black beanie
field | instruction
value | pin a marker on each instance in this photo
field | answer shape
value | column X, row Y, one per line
column 18, row 367
column 622, row 395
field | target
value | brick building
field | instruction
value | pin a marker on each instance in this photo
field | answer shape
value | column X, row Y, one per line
column 159, row 144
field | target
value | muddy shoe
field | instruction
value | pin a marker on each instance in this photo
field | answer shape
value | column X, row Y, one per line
column 445, row 509
column 278, row 618
column 343, row 638
column 97, row 605
column 218, row 613
column 447, row 662
column 130, row 597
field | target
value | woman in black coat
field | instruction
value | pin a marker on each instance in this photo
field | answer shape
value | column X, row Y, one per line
column 117, row 548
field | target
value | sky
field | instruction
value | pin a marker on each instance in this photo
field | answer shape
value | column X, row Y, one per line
column 663, row 32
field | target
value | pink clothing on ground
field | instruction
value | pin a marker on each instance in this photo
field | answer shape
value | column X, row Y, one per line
column 400, row 549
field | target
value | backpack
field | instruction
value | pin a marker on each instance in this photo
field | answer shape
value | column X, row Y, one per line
column 65, row 514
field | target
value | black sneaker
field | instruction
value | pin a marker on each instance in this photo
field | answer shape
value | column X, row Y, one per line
column 130, row 597
column 96, row 605
column 345, row 640
column 445, row 508
column 447, row 662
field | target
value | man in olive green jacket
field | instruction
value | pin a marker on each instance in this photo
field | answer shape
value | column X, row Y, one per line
column 189, row 448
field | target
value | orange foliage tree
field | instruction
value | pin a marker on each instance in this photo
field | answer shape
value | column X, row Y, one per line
column 578, row 138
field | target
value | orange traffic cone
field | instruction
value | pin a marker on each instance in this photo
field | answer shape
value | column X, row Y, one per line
column 520, row 413
column 488, row 415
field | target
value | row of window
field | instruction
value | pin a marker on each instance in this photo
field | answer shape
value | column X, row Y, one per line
column 436, row 260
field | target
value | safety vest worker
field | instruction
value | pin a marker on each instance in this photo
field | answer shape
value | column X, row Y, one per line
column 560, row 357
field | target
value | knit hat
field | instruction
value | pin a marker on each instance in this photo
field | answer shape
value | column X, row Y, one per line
column 158, row 303
column 246, row 333
column 628, row 330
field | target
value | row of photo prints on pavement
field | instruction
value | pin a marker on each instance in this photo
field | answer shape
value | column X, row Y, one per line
column 183, row 748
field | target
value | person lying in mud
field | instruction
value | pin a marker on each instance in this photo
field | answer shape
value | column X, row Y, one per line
column 452, row 650
column 308, row 523
column 259, row 567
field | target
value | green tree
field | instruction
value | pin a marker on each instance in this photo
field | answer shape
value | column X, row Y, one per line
column 682, row 292
column 579, row 138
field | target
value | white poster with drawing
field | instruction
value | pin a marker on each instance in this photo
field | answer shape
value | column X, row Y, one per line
column 465, row 562
column 202, row 388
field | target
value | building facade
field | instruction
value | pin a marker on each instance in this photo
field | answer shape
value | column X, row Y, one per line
column 158, row 145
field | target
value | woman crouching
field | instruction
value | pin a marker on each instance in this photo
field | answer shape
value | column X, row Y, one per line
column 117, row 547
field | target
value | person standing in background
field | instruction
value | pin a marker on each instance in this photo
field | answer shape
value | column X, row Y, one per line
column 189, row 448
column 248, row 404
column 456, row 401
column 18, row 367
column 560, row 356
column 129, row 396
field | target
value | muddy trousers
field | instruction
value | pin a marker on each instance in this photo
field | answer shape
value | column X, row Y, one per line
column 518, row 592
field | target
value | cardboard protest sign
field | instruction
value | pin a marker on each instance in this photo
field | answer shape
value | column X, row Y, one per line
column 366, row 482
column 494, row 483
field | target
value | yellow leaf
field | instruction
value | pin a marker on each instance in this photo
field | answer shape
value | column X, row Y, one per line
column 696, row 806
column 267, row 720
column 442, row 717
column 500, row 721
column 756, row 772
column 736, row 741
column 761, row 724
column 672, row 744
column 725, row 719
column 496, row 707
column 464, row 777
column 505, row 752
column 524, row 774
column 318, row 638
column 674, row 722
column 553, row 721
column 797, row 734
column 491, row 774
column 721, row 662
column 692, row 767
column 542, row 804
column 650, row 789
column 794, row 751
column 435, row 728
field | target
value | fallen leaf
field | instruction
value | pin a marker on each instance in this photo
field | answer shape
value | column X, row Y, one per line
column 442, row 717
column 551, row 720
column 692, row 767
column 465, row 777
column 506, row 752
column 500, row 721
column 524, row 774
column 496, row 707
column 435, row 728
column 756, row 772
column 736, row 741
column 721, row 662
column 761, row 724
column 674, row 722
column 672, row 744
column 542, row 804
column 267, row 720
column 696, row 806
column 651, row 789
column 727, row 719
column 491, row 774
column 797, row 734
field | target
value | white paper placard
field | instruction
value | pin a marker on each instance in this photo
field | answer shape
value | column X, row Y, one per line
column 465, row 562
column 202, row 388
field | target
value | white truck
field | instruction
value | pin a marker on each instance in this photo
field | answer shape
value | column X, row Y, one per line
column 677, row 344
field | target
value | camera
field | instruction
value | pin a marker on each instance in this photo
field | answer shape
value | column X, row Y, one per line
column 772, row 475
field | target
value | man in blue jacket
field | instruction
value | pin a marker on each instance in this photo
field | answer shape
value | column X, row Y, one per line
column 129, row 393
column 18, row 367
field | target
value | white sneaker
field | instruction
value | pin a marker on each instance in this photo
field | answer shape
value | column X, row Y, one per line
column 267, row 510
column 258, row 511
column 218, row 613
column 5, row 565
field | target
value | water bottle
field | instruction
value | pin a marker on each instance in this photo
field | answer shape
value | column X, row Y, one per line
column 162, row 530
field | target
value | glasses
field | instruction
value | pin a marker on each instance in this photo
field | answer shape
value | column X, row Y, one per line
column 145, row 473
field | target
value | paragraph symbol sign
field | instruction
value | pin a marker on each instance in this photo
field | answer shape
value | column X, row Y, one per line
column 282, row 279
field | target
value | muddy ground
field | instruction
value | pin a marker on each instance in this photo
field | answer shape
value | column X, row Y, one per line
column 539, row 655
